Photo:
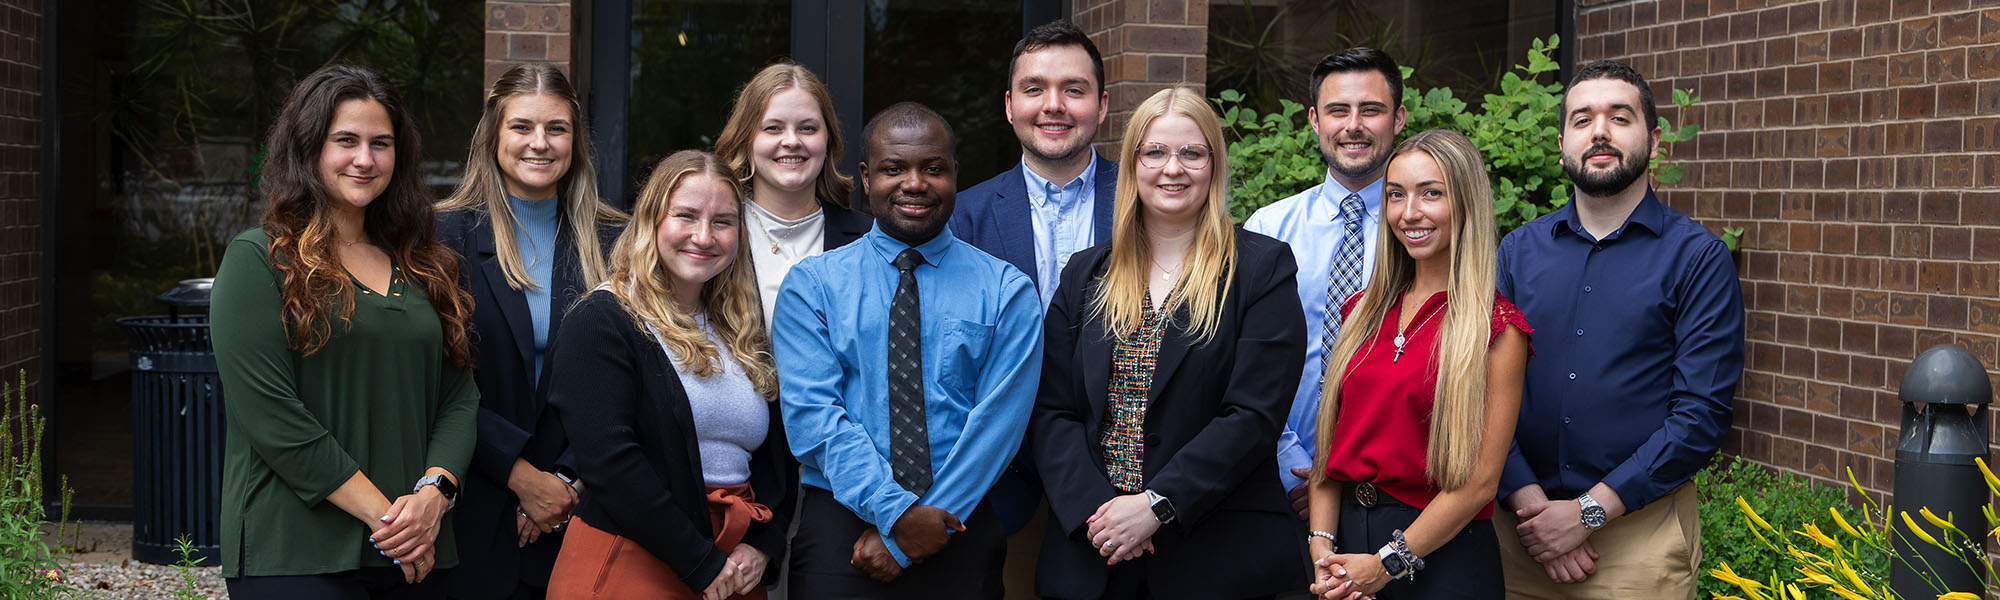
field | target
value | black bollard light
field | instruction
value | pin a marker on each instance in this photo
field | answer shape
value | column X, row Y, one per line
column 1945, row 395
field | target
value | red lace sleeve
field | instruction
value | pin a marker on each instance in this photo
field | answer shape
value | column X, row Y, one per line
column 1505, row 314
column 1347, row 306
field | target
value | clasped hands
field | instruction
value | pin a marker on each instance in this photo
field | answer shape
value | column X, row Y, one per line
column 1122, row 528
column 1552, row 532
column 920, row 533
column 407, row 534
column 741, row 573
column 546, row 502
column 1346, row 576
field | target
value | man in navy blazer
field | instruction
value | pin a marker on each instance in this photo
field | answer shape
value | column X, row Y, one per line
column 1055, row 203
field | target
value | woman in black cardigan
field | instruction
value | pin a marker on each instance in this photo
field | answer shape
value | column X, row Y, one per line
column 663, row 379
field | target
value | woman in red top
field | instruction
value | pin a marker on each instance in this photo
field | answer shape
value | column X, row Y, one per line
column 1412, row 450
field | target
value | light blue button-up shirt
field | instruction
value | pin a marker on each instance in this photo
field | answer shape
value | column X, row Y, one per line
column 982, row 363
column 1310, row 222
column 1062, row 218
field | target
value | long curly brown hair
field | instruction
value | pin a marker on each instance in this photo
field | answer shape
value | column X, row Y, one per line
column 316, row 290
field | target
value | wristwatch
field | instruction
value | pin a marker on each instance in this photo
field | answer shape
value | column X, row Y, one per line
column 1393, row 563
column 444, row 486
column 1593, row 514
column 1162, row 509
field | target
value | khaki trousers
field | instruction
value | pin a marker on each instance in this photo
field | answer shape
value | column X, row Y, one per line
column 1652, row 553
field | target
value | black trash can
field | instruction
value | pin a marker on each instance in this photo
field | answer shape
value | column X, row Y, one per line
column 176, row 430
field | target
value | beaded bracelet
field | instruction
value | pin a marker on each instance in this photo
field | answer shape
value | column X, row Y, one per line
column 1409, row 558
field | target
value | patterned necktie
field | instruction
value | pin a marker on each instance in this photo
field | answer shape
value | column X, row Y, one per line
column 1344, row 279
column 909, row 438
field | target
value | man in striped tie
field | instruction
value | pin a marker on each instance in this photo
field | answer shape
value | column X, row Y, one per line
column 1356, row 111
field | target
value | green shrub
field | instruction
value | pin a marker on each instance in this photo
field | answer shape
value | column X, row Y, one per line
column 1782, row 499
column 1274, row 155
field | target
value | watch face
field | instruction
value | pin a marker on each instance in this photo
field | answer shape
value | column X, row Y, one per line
column 1593, row 517
column 1394, row 565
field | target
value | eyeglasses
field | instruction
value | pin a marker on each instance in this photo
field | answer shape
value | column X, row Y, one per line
column 1192, row 156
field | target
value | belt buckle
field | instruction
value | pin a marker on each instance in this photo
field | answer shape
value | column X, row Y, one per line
column 1364, row 493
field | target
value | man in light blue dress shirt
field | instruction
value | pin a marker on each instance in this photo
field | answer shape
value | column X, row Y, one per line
column 864, row 526
column 1356, row 112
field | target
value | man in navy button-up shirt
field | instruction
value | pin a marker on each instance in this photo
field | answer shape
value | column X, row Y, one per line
column 1640, row 346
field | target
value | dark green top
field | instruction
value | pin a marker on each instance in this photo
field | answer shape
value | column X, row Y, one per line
column 378, row 397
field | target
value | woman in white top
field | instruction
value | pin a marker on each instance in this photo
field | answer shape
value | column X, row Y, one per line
column 783, row 141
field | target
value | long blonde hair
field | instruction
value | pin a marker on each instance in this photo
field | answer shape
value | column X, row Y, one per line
column 485, row 190
column 646, row 292
column 1459, row 406
column 1211, row 258
column 734, row 144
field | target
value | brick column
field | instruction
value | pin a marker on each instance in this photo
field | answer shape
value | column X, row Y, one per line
column 524, row 31
column 20, row 190
column 1855, row 144
column 1147, row 46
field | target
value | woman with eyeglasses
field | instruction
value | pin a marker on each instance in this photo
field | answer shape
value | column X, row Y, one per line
column 1170, row 355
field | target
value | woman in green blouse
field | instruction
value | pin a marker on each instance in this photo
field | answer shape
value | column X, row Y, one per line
column 340, row 333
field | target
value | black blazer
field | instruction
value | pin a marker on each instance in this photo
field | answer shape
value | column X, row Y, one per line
column 1213, row 416
column 513, row 422
column 843, row 225
column 633, row 433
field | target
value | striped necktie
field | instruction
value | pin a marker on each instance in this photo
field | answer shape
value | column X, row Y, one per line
column 1344, row 279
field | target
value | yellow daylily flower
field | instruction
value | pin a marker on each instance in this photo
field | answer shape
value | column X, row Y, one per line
column 1921, row 534
column 1792, row 589
column 1958, row 596
column 1843, row 522
column 1992, row 482
column 1740, row 503
column 1845, row 593
column 1812, row 531
column 1730, row 577
column 1944, row 524
column 1853, row 576
column 1815, row 577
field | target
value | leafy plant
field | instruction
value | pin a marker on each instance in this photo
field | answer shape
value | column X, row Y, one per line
column 1274, row 155
column 1663, row 169
column 1753, row 519
column 28, row 568
column 184, row 547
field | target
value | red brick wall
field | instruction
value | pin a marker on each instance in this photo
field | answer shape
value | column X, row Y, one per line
column 525, row 31
column 1147, row 46
column 20, row 188
column 1855, row 141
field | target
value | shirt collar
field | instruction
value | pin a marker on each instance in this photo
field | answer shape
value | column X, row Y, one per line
column 1332, row 193
column 1038, row 187
column 545, row 209
column 888, row 247
column 1649, row 215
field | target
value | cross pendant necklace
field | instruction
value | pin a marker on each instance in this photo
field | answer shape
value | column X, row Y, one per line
column 1401, row 339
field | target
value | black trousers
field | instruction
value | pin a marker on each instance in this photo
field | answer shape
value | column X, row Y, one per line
column 1127, row 581
column 968, row 567
column 1467, row 567
column 373, row 583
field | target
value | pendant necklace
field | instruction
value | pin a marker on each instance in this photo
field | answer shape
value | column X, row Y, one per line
column 1166, row 274
column 1400, row 338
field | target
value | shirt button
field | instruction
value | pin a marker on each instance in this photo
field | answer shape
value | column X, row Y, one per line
column 1565, row 420
column 1586, row 289
column 1579, row 332
column 1565, row 467
column 1572, row 376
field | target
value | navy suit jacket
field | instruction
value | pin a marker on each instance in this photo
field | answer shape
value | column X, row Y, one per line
column 994, row 216
column 514, row 419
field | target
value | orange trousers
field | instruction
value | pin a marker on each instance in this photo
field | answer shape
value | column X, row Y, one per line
column 598, row 564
